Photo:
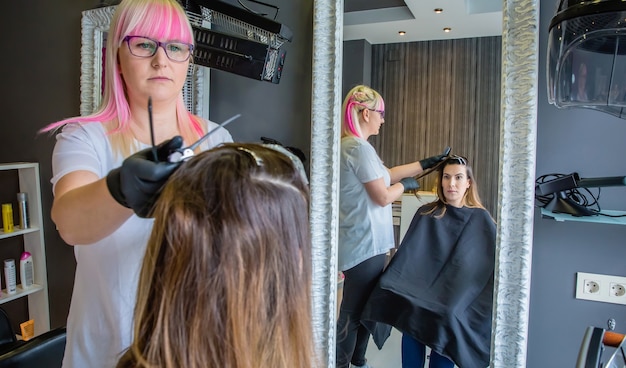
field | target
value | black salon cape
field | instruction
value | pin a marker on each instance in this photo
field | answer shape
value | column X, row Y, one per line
column 438, row 286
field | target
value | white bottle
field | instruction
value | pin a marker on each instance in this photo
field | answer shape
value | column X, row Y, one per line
column 9, row 276
column 26, row 270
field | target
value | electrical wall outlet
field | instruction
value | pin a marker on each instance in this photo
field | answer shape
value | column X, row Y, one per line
column 591, row 287
column 601, row 288
column 616, row 290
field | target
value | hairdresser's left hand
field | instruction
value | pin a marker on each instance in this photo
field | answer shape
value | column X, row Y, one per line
column 139, row 180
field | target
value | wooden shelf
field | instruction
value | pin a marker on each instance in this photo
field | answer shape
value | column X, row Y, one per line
column 605, row 217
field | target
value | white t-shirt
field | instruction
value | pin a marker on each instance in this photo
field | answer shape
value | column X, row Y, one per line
column 365, row 228
column 99, row 325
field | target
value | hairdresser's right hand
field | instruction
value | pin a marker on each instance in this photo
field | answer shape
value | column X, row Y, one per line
column 429, row 162
column 138, row 182
column 409, row 183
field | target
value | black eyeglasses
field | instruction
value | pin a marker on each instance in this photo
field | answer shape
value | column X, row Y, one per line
column 459, row 159
column 381, row 112
column 145, row 47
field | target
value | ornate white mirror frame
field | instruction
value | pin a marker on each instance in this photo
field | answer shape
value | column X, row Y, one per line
column 94, row 27
column 516, row 178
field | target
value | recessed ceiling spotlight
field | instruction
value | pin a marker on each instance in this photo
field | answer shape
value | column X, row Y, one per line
column 447, row 29
column 401, row 33
column 438, row 10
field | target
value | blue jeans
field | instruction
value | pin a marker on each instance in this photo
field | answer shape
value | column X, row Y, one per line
column 352, row 337
column 414, row 354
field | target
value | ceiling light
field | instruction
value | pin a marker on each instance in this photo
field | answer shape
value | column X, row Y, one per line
column 401, row 33
column 447, row 29
column 438, row 10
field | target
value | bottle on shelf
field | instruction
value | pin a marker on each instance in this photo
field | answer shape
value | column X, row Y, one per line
column 22, row 204
column 26, row 270
column 7, row 217
column 9, row 276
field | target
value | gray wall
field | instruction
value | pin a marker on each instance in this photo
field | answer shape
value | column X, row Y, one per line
column 357, row 65
column 592, row 144
column 280, row 111
column 40, row 84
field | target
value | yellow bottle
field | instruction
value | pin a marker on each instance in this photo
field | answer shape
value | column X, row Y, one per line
column 7, row 217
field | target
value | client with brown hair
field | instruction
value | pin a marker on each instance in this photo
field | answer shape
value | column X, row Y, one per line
column 438, row 287
column 226, row 278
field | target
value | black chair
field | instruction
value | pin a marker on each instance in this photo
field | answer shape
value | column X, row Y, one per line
column 45, row 350
column 7, row 335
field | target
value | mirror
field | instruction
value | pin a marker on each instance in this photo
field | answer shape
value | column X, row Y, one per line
column 94, row 28
column 515, row 184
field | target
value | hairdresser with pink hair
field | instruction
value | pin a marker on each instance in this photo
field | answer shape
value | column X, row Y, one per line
column 365, row 222
column 106, row 176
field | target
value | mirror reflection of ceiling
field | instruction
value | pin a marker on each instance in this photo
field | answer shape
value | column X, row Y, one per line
column 379, row 21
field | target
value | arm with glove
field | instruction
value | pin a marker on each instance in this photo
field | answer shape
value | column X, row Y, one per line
column 87, row 209
column 138, row 182
column 415, row 168
column 402, row 179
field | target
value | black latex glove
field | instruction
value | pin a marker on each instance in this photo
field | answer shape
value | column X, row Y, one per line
column 138, row 182
column 409, row 183
column 429, row 162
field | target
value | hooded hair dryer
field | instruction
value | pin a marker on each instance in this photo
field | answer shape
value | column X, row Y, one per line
column 587, row 56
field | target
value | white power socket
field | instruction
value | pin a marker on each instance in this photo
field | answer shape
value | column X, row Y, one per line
column 601, row 288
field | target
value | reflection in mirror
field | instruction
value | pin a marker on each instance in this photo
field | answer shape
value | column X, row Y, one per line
column 441, row 93
column 515, row 194
column 437, row 93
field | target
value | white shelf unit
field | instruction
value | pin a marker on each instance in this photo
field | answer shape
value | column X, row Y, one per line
column 38, row 307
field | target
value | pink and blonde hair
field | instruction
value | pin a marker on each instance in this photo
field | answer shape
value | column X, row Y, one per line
column 158, row 19
column 358, row 99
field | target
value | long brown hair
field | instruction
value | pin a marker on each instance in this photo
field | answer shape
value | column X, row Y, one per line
column 226, row 278
column 471, row 198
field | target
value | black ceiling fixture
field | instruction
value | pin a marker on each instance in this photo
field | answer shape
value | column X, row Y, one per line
column 239, row 40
